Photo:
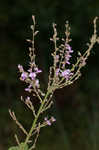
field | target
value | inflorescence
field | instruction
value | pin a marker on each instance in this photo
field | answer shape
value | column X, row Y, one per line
column 61, row 74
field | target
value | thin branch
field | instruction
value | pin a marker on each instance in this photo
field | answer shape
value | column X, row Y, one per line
column 37, row 135
column 29, row 105
column 17, row 140
column 12, row 114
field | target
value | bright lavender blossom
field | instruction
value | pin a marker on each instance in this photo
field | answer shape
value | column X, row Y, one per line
column 47, row 121
column 68, row 47
column 67, row 57
column 50, row 121
column 32, row 75
column 66, row 74
column 68, row 53
column 24, row 76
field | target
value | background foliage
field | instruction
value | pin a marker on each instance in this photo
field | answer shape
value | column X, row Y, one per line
column 76, row 107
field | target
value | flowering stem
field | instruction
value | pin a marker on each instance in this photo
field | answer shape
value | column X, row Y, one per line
column 36, row 118
column 61, row 75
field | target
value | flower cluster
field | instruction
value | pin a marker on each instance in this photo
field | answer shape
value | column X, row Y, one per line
column 68, row 54
column 49, row 121
column 66, row 73
column 30, row 77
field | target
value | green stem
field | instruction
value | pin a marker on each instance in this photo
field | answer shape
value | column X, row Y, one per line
column 36, row 118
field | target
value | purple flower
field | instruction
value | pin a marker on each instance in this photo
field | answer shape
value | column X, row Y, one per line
column 69, row 48
column 47, row 121
column 66, row 74
column 32, row 75
column 37, row 70
column 67, row 55
column 50, row 121
column 20, row 67
column 24, row 75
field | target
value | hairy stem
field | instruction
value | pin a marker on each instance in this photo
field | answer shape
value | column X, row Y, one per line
column 36, row 118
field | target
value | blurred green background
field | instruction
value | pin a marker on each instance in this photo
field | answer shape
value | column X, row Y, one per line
column 76, row 107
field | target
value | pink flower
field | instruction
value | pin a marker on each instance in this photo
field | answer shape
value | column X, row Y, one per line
column 69, row 48
column 66, row 74
column 37, row 70
column 24, row 75
column 47, row 121
column 50, row 121
column 67, row 55
column 32, row 75
column 20, row 67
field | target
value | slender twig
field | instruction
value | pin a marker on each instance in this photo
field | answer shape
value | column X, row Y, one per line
column 12, row 114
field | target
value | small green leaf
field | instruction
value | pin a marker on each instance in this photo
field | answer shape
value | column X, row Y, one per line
column 22, row 145
column 19, row 147
column 13, row 148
